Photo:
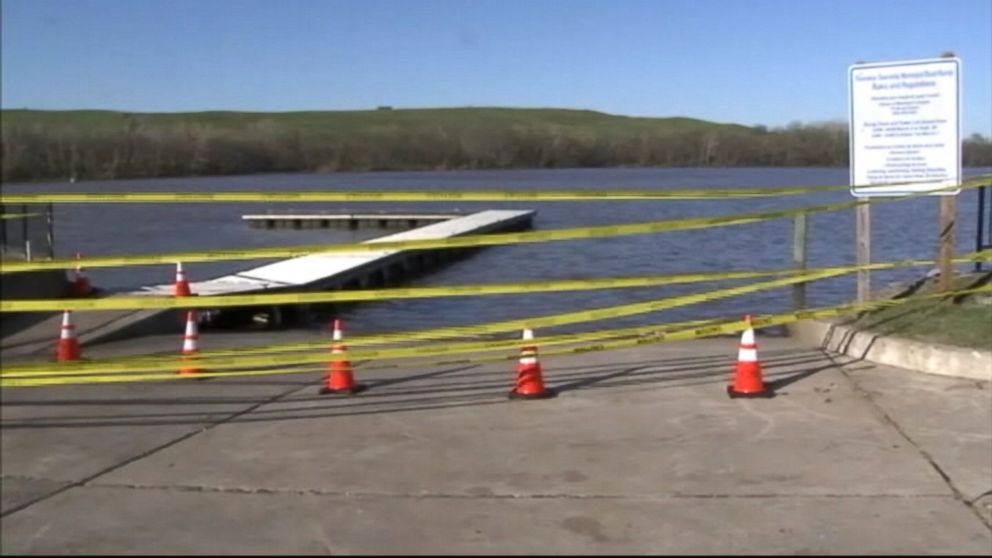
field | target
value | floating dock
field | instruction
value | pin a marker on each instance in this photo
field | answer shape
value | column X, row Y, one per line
column 314, row 272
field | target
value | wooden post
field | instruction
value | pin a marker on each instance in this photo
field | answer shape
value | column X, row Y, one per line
column 25, row 237
column 799, row 243
column 948, row 216
column 50, row 233
column 863, row 217
column 980, row 226
column 3, row 230
column 948, row 211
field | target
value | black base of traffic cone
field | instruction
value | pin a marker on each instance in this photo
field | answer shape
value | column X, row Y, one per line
column 357, row 388
column 548, row 393
column 764, row 394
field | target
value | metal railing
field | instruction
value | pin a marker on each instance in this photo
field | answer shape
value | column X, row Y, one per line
column 983, row 229
column 27, row 231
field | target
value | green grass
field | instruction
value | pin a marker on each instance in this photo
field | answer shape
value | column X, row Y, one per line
column 964, row 321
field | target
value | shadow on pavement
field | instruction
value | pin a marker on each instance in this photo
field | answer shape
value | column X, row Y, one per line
column 467, row 385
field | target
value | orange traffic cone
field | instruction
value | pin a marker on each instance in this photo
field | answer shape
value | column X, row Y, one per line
column 339, row 378
column 530, row 384
column 68, row 346
column 747, row 378
column 191, row 340
column 181, row 287
column 81, row 285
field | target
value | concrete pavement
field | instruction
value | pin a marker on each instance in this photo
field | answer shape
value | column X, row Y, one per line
column 931, row 358
column 641, row 453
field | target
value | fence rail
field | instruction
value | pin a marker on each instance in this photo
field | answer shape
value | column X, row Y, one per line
column 983, row 229
column 27, row 231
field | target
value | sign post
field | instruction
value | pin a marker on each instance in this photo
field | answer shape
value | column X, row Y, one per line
column 905, row 129
column 862, row 240
column 948, row 216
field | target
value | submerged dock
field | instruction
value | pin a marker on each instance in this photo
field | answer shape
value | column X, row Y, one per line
column 313, row 272
column 345, row 221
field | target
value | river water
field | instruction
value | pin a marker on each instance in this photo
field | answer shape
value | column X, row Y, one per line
column 903, row 229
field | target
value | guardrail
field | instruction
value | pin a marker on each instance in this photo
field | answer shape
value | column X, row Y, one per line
column 983, row 229
column 27, row 231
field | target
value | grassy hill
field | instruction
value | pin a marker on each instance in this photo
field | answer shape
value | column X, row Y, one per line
column 572, row 122
column 110, row 144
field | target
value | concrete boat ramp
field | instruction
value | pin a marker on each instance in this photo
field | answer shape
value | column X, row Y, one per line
column 642, row 453
column 314, row 272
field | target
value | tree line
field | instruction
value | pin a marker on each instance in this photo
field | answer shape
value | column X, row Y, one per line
column 135, row 147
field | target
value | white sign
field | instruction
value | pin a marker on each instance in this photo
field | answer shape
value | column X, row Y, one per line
column 905, row 127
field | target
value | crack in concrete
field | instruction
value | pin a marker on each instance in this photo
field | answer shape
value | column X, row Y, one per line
column 887, row 419
column 207, row 426
column 493, row 496
column 975, row 500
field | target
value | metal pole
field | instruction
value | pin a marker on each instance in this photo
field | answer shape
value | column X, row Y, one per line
column 799, row 244
column 980, row 228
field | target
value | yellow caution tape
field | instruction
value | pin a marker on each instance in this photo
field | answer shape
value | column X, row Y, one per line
column 19, row 215
column 734, row 326
column 517, row 324
column 479, row 346
column 400, row 196
column 454, row 242
column 759, row 321
column 227, row 301
column 677, row 335
column 165, row 363
column 127, row 363
column 268, row 299
column 636, row 331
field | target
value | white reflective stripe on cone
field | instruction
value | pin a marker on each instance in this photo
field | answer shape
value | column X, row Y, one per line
column 747, row 355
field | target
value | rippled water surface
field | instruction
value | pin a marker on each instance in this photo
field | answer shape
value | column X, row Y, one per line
column 903, row 229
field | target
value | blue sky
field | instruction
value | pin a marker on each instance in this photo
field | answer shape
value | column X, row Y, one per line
column 752, row 62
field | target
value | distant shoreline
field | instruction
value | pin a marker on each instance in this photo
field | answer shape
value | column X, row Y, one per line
column 108, row 145
column 986, row 169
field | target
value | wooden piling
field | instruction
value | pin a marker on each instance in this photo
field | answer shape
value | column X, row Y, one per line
column 948, row 216
column 800, row 233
